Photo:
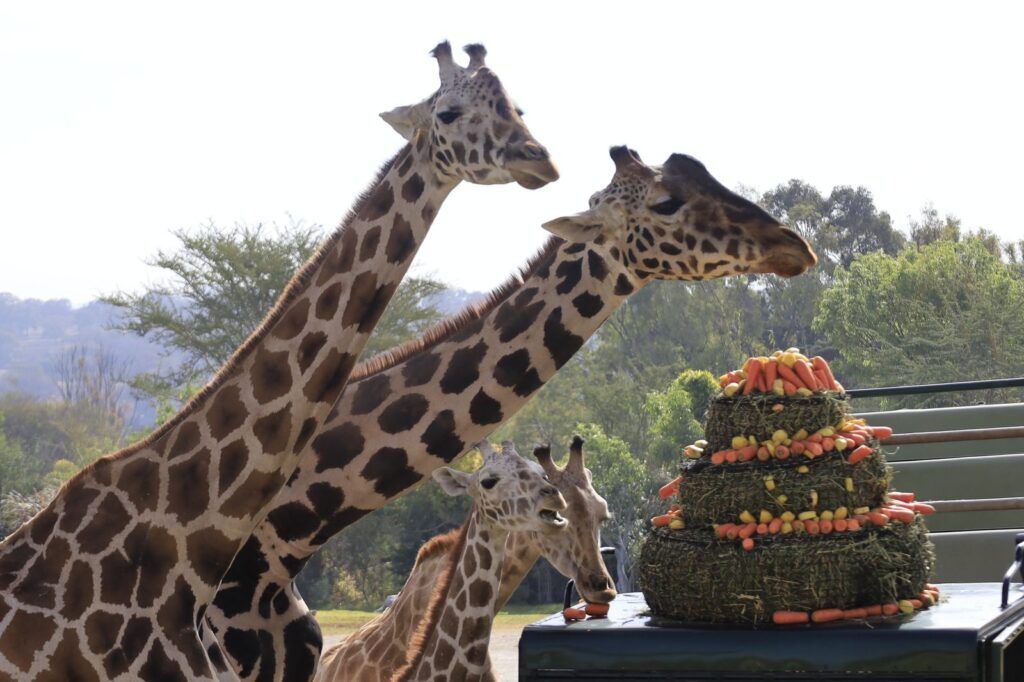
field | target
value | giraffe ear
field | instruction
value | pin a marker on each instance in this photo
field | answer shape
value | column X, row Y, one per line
column 452, row 481
column 581, row 227
column 406, row 120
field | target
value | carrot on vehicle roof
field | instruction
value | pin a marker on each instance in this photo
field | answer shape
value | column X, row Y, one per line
column 803, row 370
column 790, row 617
column 826, row 615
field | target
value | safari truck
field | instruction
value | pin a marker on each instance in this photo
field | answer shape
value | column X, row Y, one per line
column 969, row 463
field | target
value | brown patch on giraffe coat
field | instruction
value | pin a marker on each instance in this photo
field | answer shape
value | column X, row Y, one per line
column 210, row 552
column 78, row 592
column 327, row 302
column 133, row 641
column 160, row 667
column 258, row 488
column 226, row 412
column 37, row 587
column 463, row 368
column 588, row 304
column 403, row 414
column 42, row 525
column 274, row 430
column 308, row 349
column 598, row 268
column 516, row 372
column 560, row 342
column 473, row 628
column 233, row 458
column 412, row 189
column 570, row 272
column 371, row 394
column 68, row 663
column 325, row 498
column 336, row 447
column 187, row 492
column 368, row 247
column 101, row 631
column 327, row 380
column 109, row 519
column 444, row 653
column 175, row 619
column 117, row 579
column 188, row 438
column 517, row 315
column 271, row 375
column 26, row 634
column 390, row 472
column 140, row 481
column 378, row 203
column 77, row 499
column 484, row 409
column 441, row 437
column 152, row 553
column 400, row 240
column 305, row 433
column 294, row 321
column 420, row 369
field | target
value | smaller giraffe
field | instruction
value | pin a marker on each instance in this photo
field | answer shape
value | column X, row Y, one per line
column 510, row 494
column 376, row 650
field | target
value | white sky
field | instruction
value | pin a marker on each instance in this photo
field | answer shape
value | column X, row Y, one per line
column 122, row 121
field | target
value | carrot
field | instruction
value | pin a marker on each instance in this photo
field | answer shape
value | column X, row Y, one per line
column 753, row 368
column 826, row 615
column 788, row 388
column 812, row 527
column 815, row 438
column 878, row 518
column 841, row 525
column 781, row 452
column 731, row 456
column 596, row 610
column 762, row 529
column 825, row 526
column 722, row 529
column 748, row 544
column 718, row 457
column 850, row 614
column 733, row 532
column 881, row 432
column 932, row 587
column 798, row 526
column 828, row 444
column 747, row 453
column 803, row 370
column 574, row 614
column 902, row 497
column 661, row 521
column 821, row 364
column 790, row 617
column 822, row 380
column 874, row 610
column 747, row 530
column 786, row 374
column 797, row 448
column 852, row 525
column 763, row 454
column 902, row 515
column 815, row 449
column 771, row 373
column 890, row 609
column 916, row 603
column 670, row 488
column 862, row 452
column 775, row 526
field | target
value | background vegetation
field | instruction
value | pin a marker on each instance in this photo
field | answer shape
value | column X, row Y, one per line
column 934, row 304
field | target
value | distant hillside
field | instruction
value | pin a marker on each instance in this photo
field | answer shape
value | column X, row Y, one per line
column 34, row 332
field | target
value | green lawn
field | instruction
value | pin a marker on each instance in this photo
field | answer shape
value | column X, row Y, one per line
column 342, row 621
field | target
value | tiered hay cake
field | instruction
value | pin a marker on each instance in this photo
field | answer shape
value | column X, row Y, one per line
column 784, row 513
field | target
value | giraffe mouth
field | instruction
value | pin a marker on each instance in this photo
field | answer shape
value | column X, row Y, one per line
column 532, row 173
column 553, row 519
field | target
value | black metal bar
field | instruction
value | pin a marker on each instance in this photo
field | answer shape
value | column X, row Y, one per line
column 936, row 388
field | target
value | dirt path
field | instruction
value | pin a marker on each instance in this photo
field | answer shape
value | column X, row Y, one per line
column 504, row 651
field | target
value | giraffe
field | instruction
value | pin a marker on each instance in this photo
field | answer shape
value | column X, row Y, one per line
column 376, row 650
column 509, row 494
column 111, row 579
column 410, row 410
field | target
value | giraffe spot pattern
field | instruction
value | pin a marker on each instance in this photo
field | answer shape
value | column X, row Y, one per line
column 188, row 438
column 274, row 430
column 292, row 322
column 327, row 302
column 588, row 304
column 226, row 412
column 378, row 203
column 102, row 629
column 26, row 634
column 368, row 247
column 403, row 414
column 78, row 592
column 412, row 188
column 187, row 492
column 336, row 447
column 302, row 645
column 390, row 472
column 109, row 519
column 516, row 316
column 514, row 371
column 152, row 552
column 343, row 519
column 328, row 378
column 68, row 663
column 305, row 433
column 484, row 409
column 76, row 505
column 598, row 268
column 175, row 618
column 400, row 240
column 370, row 394
column 37, row 587
column 420, row 369
column 209, row 551
column 160, row 667
column 464, row 368
column 293, row 521
column 308, row 349
column 560, row 342
column 569, row 272
column 271, row 376
column 233, row 458
column 241, row 580
column 441, row 437
column 325, row 498
column 257, row 489
column 623, row 287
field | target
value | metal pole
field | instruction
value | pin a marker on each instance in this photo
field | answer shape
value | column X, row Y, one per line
column 954, row 436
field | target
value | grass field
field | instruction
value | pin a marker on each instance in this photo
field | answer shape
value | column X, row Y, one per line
column 343, row 621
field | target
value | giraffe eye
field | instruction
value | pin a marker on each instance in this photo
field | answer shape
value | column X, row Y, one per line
column 667, row 207
column 489, row 483
column 449, row 116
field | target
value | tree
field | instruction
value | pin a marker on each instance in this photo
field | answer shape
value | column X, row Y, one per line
column 676, row 415
column 949, row 310
column 221, row 283
column 14, row 469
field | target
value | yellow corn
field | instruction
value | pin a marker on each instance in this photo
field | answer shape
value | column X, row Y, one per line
column 826, row 432
column 701, row 443
column 841, row 444
column 777, row 388
column 782, row 499
column 826, row 515
column 769, row 483
column 861, row 510
column 807, row 515
column 746, row 517
column 802, row 469
column 779, row 436
column 731, row 389
column 786, row 527
column 751, row 440
column 849, row 485
column 676, row 524
column 739, row 442
column 842, row 513
column 770, row 445
column 787, row 517
column 801, row 435
column 803, row 390
column 906, row 607
column 788, row 359
column 765, row 516
column 814, row 498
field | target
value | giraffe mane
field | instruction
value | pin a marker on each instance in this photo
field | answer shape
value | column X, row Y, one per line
column 418, row 643
column 291, row 292
column 453, row 324
column 437, row 545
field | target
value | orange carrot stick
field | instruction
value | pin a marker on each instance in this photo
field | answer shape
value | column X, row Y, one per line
column 803, row 370
column 862, row 452
column 790, row 617
column 670, row 488
column 753, row 374
column 826, row 615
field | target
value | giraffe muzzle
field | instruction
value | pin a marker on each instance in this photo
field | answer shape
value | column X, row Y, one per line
column 530, row 165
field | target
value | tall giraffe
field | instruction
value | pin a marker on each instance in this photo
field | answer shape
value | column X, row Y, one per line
column 510, row 494
column 379, row 648
column 411, row 410
column 111, row 579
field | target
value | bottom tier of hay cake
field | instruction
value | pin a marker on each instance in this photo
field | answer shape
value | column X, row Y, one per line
column 784, row 513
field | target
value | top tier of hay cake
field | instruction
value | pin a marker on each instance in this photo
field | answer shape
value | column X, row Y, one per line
column 784, row 512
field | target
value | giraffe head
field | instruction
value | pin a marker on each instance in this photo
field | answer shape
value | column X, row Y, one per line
column 512, row 493
column 677, row 222
column 474, row 130
column 577, row 552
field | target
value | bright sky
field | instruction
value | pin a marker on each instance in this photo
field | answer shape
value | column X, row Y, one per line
column 122, row 121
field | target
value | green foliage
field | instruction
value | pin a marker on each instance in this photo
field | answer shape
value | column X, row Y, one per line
column 15, row 472
column 947, row 310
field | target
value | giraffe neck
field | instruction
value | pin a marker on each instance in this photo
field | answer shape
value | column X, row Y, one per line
column 182, row 502
column 415, row 411
column 451, row 642
column 521, row 553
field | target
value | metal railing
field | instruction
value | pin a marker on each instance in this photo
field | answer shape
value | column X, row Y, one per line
column 936, row 388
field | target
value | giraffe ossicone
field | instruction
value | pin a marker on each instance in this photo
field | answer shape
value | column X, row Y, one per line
column 377, row 649
column 417, row 407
